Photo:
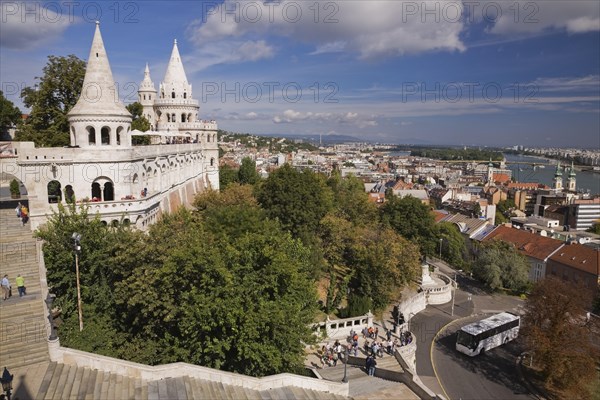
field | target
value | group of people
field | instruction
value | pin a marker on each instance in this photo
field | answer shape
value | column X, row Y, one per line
column 7, row 290
column 330, row 355
column 22, row 213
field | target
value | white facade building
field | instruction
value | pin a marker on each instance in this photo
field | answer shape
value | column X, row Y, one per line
column 103, row 169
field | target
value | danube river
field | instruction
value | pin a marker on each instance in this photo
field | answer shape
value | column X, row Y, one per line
column 587, row 181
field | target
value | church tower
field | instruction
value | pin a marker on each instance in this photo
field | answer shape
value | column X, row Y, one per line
column 572, row 181
column 558, row 179
column 99, row 120
column 147, row 96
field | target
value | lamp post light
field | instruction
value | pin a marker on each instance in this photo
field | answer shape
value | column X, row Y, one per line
column 6, row 380
column 48, row 301
column 345, row 378
column 77, row 250
column 441, row 240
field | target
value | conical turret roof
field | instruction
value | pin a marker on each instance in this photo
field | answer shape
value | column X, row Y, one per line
column 147, row 85
column 98, row 95
column 175, row 73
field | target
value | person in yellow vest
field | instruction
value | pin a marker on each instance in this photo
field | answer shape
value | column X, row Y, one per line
column 24, row 215
column 21, row 285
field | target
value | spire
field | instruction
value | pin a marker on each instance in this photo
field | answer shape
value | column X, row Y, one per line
column 572, row 170
column 98, row 95
column 558, row 173
column 175, row 74
column 147, row 85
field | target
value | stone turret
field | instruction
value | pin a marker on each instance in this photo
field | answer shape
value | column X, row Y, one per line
column 99, row 119
column 175, row 85
column 147, row 96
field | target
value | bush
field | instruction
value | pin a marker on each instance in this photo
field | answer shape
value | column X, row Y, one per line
column 15, row 191
column 357, row 305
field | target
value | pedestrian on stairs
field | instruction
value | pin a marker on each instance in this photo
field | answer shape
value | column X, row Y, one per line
column 370, row 364
column 21, row 285
column 24, row 215
column 5, row 287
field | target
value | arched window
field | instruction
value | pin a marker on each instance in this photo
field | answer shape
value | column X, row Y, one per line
column 149, row 97
column 96, row 191
column 73, row 137
column 212, row 162
column 172, row 95
column 144, row 97
column 114, row 223
column 189, row 117
column 105, row 135
column 173, row 118
column 184, row 95
column 208, row 138
column 119, row 130
column 91, row 135
column 54, row 193
column 183, row 117
column 69, row 194
column 168, row 117
column 109, row 191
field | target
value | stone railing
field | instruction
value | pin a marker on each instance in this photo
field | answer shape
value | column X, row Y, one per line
column 340, row 328
column 149, row 373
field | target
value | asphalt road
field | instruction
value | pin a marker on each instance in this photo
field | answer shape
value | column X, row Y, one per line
column 457, row 376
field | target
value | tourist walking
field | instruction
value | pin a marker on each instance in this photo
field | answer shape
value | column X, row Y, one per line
column 5, row 287
column 24, row 215
column 370, row 365
column 18, row 209
column 21, row 285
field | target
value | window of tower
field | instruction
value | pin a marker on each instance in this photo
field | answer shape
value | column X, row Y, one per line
column 168, row 117
column 172, row 95
column 119, row 130
column 91, row 135
column 184, row 95
column 54, row 192
column 212, row 162
column 183, row 117
column 149, row 97
column 105, row 135
column 144, row 97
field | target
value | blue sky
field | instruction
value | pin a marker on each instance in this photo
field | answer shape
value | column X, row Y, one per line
column 447, row 72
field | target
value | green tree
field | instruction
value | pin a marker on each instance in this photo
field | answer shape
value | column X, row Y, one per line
column 499, row 265
column 454, row 246
column 350, row 199
column 10, row 115
column 227, row 176
column 297, row 199
column 413, row 220
column 554, row 330
column 247, row 173
column 139, row 122
column 57, row 92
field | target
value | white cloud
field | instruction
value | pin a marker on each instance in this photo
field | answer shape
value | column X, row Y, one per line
column 534, row 17
column 292, row 116
column 368, row 29
column 27, row 25
column 563, row 84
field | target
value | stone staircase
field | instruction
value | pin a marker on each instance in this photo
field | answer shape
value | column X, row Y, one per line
column 62, row 381
column 23, row 335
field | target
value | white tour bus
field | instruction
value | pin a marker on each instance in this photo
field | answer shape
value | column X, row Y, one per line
column 488, row 333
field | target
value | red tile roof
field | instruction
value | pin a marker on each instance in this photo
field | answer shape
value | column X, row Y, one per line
column 528, row 243
column 578, row 256
column 500, row 178
column 438, row 215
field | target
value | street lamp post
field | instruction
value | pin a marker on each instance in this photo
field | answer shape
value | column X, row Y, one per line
column 77, row 249
column 345, row 378
column 48, row 302
column 441, row 240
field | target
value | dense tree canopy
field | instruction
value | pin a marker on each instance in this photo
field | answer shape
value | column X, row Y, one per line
column 223, row 287
column 247, row 174
column 556, row 332
column 56, row 93
column 454, row 247
column 9, row 114
column 413, row 220
column 500, row 265
column 297, row 199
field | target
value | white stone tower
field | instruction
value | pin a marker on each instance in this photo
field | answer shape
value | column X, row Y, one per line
column 572, row 181
column 558, row 179
column 175, row 106
column 99, row 120
column 147, row 96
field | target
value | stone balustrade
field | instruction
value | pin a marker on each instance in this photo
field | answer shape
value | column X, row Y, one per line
column 340, row 328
